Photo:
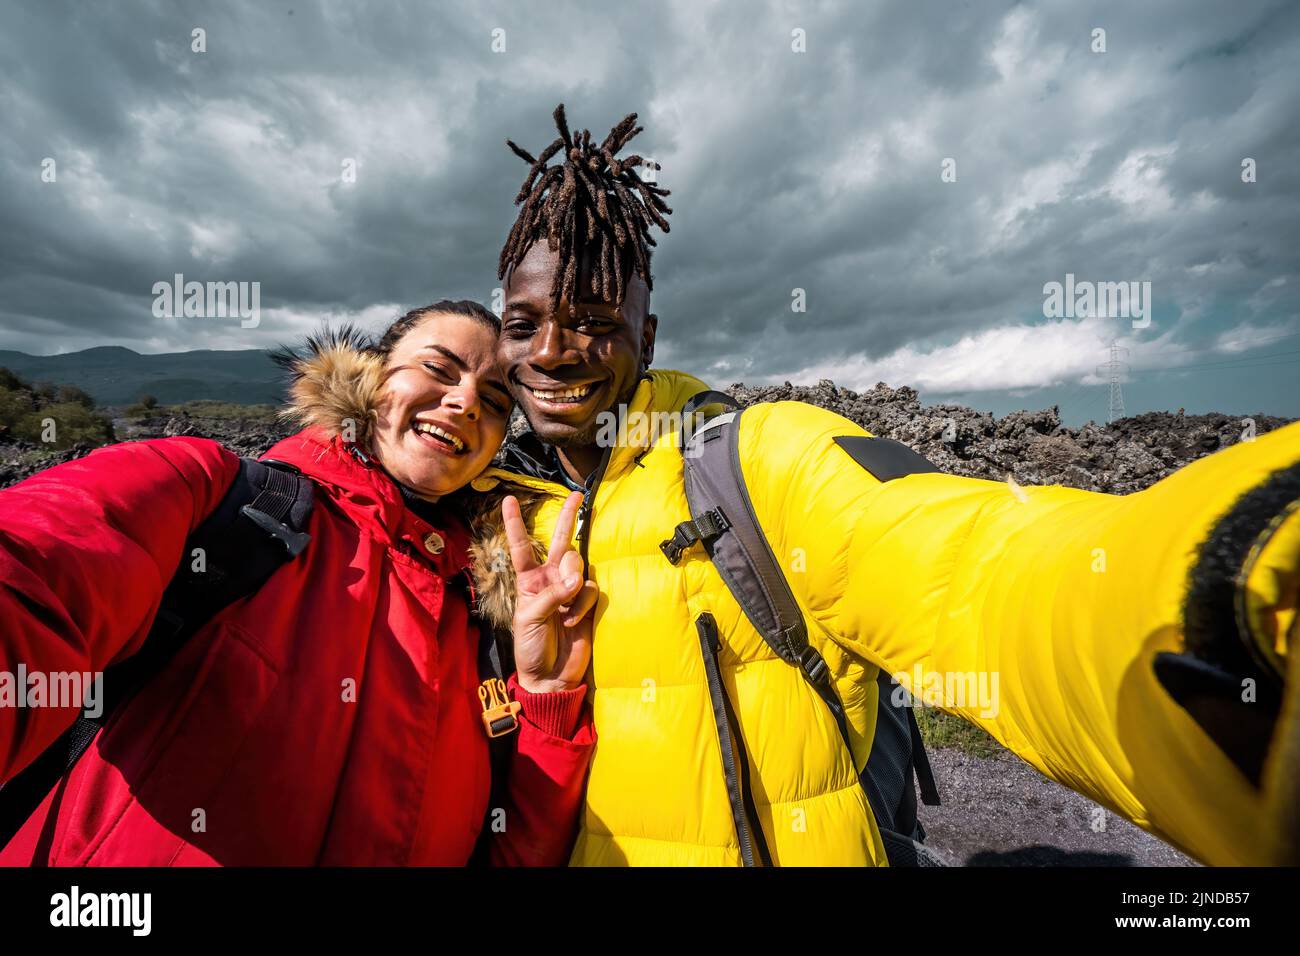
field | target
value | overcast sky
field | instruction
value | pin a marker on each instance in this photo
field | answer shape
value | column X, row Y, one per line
column 819, row 169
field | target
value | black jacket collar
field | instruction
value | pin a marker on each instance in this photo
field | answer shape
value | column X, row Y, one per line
column 529, row 455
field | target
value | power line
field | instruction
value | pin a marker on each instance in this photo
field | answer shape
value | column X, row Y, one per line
column 1246, row 361
column 1259, row 343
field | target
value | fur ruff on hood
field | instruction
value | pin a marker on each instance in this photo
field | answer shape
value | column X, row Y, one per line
column 336, row 384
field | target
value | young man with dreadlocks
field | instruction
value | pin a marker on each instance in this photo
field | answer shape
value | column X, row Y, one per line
column 1122, row 680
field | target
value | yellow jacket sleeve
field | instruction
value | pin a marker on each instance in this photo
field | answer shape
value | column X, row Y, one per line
column 1060, row 598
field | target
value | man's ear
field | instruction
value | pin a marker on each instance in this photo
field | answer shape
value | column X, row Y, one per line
column 648, row 340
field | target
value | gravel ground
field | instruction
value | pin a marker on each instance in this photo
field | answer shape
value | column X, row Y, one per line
column 999, row 811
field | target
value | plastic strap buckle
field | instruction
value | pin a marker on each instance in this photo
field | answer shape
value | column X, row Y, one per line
column 704, row 528
column 294, row 541
column 684, row 535
column 813, row 665
column 500, row 713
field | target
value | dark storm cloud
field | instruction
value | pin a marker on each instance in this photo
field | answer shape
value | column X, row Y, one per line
column 816, row 170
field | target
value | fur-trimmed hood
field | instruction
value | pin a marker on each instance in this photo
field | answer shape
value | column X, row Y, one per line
column 335, row 386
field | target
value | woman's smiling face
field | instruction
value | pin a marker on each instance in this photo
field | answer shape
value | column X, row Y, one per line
column 443, row 409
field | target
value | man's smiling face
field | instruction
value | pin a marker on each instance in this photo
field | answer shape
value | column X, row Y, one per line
column 566, row 366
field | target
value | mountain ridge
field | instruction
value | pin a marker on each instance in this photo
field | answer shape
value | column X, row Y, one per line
column 117, row 375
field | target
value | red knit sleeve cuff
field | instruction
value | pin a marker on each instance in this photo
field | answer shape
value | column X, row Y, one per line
column 556, row 713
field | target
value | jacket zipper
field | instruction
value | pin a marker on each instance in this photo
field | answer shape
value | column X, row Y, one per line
column 588, row 501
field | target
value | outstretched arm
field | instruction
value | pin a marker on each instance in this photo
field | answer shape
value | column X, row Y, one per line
column 86, row 550
column 1058, row 599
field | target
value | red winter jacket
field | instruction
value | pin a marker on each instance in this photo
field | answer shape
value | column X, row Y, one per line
column 246, row 749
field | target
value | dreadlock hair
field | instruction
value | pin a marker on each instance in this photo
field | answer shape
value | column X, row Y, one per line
column 593, row 202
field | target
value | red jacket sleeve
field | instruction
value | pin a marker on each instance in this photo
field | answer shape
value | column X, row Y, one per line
column 86, row 550
column 547, row 773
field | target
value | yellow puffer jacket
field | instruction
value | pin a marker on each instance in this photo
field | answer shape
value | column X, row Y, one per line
column 1061, row 597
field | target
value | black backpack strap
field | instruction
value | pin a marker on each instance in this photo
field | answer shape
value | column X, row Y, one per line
column 898, row 764
column 724, row 522
column 259, row 526
column 495, row 661
column 921, row 761
column 735, row 765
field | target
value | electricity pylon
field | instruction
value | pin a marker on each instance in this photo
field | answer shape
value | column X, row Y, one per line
column 1113, row 370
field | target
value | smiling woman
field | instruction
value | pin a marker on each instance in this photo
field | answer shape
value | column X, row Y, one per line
column 441, row 393
column 370, row 642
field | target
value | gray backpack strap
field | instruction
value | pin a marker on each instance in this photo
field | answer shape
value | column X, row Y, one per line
column 703, row 399
column 724, row 522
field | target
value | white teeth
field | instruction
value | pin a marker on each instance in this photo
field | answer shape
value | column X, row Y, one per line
column 433, row 429
column 563, row 395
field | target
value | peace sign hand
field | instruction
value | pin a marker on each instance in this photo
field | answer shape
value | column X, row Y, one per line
column 552, row 623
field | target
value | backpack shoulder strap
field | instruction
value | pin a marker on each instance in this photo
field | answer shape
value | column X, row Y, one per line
column 495, row 662
column 259, row 526
column 723, row 520
column 704, row 399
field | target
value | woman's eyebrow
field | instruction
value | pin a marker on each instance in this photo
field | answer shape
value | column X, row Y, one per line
column 450, row 355
column 460, row 363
